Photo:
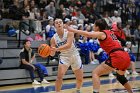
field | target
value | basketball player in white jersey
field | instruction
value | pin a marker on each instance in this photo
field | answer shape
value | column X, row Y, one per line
column 63, row 42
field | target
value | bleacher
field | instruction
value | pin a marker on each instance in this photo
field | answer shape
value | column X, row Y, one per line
column 10, row 73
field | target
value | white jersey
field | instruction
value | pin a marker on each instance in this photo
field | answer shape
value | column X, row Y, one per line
column 59, row 42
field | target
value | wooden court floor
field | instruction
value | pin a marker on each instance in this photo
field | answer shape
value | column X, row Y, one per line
column 108, row 85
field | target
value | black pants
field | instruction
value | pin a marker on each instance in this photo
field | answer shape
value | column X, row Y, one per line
column 31, row 71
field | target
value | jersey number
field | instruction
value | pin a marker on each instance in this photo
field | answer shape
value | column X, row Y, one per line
column 113, row 37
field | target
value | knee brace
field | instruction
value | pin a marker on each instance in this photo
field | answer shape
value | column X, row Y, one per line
column 121, row 79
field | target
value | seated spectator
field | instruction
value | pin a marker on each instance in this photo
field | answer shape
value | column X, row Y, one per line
column 137, row 38
column 26, row 58
column 132, row 57
column 127, row 32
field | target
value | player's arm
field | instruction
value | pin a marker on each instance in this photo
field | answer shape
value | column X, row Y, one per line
column 68, row 44
column 53, row 45
column 99, row 35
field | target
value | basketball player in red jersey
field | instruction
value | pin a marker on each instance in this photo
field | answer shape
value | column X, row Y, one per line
column 118, row 31
column 118, row 60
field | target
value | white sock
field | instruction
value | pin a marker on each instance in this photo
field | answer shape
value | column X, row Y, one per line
column 95, row 90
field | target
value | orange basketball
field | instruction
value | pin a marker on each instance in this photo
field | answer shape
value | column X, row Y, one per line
column 44, row 50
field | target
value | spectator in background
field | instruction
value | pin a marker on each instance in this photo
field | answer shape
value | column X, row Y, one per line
column 84, row 50
column 67, row 21
column 32, row 4
column 87, row 8
column 64, row 16
column 42, row 4
column 107, row 18
column 74, row 22
column 80, row 16
column 132, row 57
column 127, row 32
column 50, row 29
column 62, row 12
column 94, row 11
column 116, row 17
column 25, row 19
column 137, row 33
column 26, row 58
column 43, row 19
column 15, row 11
column 51, row 10
column 137, row 38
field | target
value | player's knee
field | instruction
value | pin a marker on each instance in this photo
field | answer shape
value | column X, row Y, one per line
column 80, row 79
column 59, row 77
column 121, row 78
column 94, row 73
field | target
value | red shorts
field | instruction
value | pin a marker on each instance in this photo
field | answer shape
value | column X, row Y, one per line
column 119, row 60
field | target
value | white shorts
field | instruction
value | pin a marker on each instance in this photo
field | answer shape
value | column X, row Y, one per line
column 74, row 61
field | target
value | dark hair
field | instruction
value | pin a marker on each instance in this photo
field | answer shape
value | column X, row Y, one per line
column 24, row 42
column 101, row 23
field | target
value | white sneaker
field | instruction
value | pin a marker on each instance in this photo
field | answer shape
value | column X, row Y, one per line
column 36, row 82
column 93, row 62
column 135, row 73
column 111, row 75
column 127, row 72
column 45, row 81
column 54, row 60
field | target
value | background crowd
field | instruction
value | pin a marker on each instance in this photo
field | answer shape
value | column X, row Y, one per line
column 37, row 16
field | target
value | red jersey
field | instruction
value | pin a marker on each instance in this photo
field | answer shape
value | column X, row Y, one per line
column 120, row 34
column 110, row 42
